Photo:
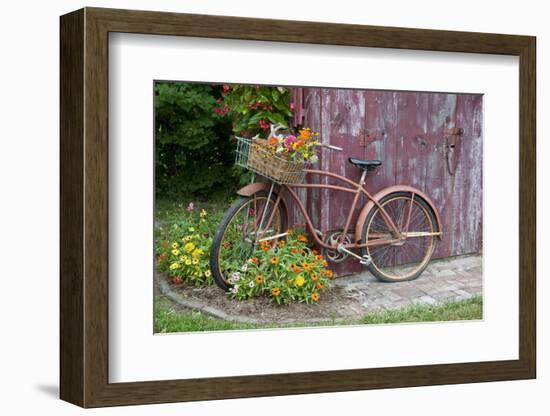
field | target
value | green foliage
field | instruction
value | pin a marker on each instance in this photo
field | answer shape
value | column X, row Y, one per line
column 253, row 108
column 193, row 151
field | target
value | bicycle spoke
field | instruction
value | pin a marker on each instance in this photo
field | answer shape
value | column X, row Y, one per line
column 400, row 259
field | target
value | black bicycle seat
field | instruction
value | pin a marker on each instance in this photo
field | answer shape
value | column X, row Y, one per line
column 365, row 164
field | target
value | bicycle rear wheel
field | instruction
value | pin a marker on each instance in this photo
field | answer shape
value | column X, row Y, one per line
column 236, row 236
column 408, row 258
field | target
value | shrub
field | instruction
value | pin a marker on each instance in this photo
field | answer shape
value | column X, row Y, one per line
column 253, row 108
column 285, row 271
column 193, row 150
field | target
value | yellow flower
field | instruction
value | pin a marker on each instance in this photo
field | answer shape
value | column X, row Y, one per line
column 174, row 266
column 188, row 262
column 175, row 252
column 259, row 279
column 195, row 261
column 274, row 260
column 315, row 297
column 314, row 276
column 208, row 273
column 175, row 245
column 275, row 291
column 197, row 253
column 203, row 214
column 189, row 247
column 299, row 280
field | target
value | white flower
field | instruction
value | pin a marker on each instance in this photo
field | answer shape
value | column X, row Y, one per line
column 244, row 268
column 280, row 149
column 251, row 284
column 235, row 288
column 236, row 276
column 314, row 159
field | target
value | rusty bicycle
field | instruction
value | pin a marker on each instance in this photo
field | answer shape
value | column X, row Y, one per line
column 394, row 235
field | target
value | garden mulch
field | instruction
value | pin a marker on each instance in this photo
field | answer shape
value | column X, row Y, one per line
column 349, row 298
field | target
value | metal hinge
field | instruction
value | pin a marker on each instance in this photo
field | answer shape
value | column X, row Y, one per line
column 367, row 136
column 453, row 142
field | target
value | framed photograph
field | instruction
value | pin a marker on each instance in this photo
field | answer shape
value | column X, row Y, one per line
column 255, row 207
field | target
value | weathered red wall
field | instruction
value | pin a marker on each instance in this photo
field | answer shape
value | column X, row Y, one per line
column 407, row 131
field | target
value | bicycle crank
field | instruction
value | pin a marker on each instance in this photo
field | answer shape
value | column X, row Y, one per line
column 364, row 260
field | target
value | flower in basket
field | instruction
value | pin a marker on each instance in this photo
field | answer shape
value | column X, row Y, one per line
column 295, row 148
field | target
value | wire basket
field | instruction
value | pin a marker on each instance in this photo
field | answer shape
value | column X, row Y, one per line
column 254, row 155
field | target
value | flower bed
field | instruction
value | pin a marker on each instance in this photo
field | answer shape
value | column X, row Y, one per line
column 183, row 247
column 285, row 271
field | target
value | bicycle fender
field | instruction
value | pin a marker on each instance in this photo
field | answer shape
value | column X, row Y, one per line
column 253, row 188
column 397, row 188
column 256, row 187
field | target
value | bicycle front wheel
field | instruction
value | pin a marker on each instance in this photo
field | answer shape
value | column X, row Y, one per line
column 236, row 237
column 408, row 258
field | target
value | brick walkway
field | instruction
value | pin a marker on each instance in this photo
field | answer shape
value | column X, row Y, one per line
column 452, row 279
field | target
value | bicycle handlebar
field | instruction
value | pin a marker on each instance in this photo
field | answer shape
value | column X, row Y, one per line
column 330, row 146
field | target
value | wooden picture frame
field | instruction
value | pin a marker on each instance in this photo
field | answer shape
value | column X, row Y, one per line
column 84, row 207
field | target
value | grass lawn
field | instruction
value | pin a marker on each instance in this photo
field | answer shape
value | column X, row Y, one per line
column 168, row 319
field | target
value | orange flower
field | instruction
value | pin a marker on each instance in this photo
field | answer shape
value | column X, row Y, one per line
column 294, row 251
column 295, row 268
column 307, row 267
column 259, row 279
column 281, row 243
column 254, row 260
column 328, row 273
column 314, row 276
column 315, row 297
column 265, row 249
column 305, row 134
column 290, row 281
column 302, row 238
column 274, row 260
column 324, row 263
column 319, row 257
column 275, row 291
column 319, row 285
column 272, row 141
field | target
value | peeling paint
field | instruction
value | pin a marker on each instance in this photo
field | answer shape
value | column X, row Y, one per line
column 412, row 150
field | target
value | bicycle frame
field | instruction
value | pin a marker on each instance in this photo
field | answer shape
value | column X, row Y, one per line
column 399, row 232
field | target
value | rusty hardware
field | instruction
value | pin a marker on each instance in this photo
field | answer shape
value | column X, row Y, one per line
column 367, row 136
column 453, row 143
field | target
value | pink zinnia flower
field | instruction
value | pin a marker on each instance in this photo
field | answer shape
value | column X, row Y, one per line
column 190, row 207
column 289, row 140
